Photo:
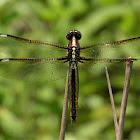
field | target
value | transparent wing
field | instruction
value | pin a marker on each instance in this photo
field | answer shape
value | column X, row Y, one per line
column 31, row 59
column 111, row 51
column 118, row 49
column 35, row 70
column 16, row 47
column 94, row 72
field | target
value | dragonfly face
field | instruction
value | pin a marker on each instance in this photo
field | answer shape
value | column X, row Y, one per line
column 35, row 60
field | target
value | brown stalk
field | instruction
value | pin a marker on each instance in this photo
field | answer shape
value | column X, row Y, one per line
column 112, row 101
column 65, row 110
column 119, row 128
column 124, row 98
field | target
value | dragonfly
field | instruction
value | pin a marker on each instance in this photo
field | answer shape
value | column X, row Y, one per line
column 41, row 60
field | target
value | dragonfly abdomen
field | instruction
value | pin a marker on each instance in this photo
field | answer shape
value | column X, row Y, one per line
column 73, row 93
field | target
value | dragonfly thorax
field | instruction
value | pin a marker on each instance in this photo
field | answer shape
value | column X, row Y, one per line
column 73, row 53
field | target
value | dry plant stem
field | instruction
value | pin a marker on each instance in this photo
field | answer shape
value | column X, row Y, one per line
column 119, row 128
column 112, row 102
column 65, row 110
column 124, row 99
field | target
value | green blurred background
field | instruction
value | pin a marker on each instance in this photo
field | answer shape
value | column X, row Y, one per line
column 33, row 111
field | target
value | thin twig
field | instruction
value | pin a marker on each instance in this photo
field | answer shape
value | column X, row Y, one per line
column 112, row 102
column 124, row 99
column 119, row 128
column 65, row 110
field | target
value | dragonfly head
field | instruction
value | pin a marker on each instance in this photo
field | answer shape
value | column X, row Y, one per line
column 73, row 33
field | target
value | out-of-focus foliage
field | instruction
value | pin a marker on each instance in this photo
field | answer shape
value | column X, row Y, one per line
column 33, row 111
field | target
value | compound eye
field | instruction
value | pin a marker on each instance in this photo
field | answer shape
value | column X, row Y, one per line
column 78, row 35
column 69, row 35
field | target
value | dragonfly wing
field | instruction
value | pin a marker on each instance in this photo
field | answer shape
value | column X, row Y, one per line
column 16, row 47
column 112, row 51
column 116, row 68
column 21, row 58
column 119, row 49
column 32, row 69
